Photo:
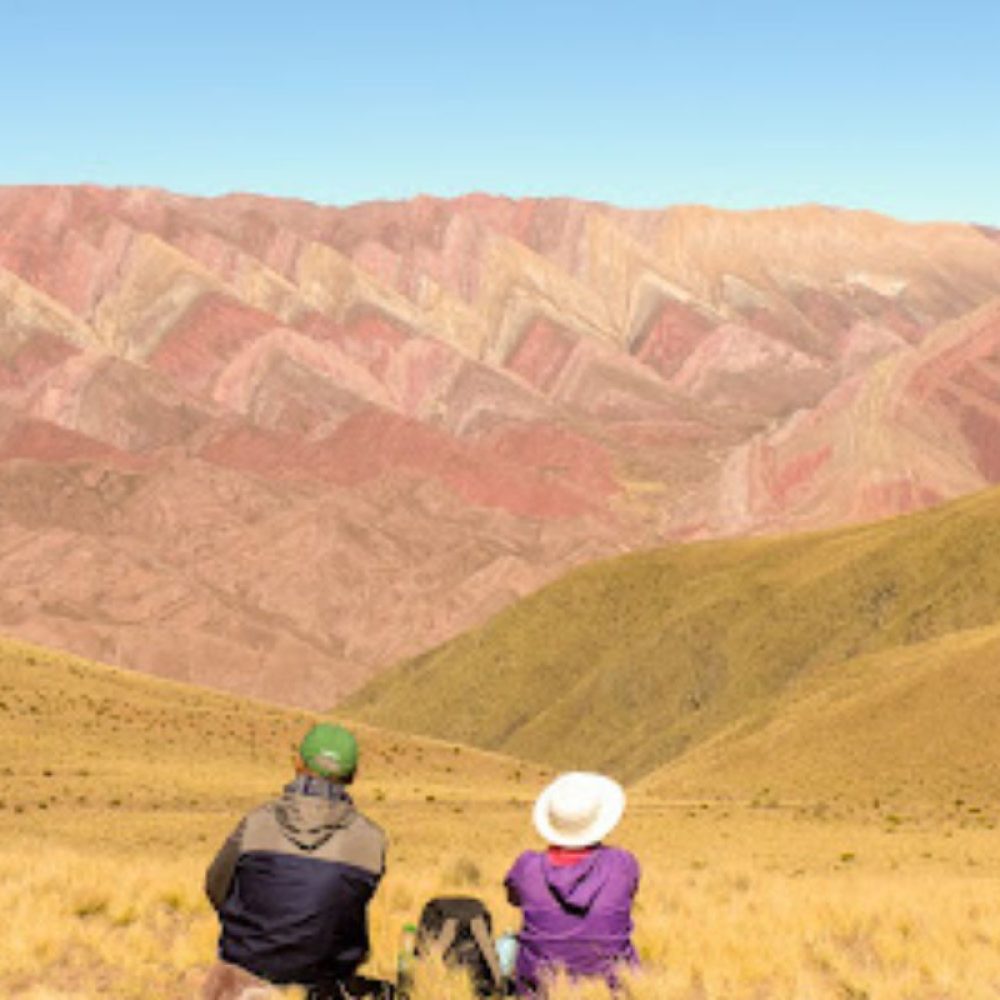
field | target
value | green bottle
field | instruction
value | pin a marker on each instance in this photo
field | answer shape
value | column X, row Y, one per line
column 405, row 960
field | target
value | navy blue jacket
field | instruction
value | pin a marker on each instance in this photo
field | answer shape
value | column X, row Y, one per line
column 292, row 883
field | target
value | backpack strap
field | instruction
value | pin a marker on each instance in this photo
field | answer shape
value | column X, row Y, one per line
column 449, row 931
column 486, row 946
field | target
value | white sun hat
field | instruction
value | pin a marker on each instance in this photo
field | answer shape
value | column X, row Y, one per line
column 578, row 809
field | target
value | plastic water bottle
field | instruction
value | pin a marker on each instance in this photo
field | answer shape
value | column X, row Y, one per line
column 405, row 960
column 507, row 953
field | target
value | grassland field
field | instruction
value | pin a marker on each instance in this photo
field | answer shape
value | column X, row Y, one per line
column 116, row 789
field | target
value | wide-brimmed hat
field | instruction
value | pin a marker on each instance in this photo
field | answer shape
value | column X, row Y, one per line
column 579, row 809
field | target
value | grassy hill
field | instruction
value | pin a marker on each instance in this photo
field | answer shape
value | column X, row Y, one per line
column 116, row 789
column 913, row 724
column 626, row 664
column 171, row 764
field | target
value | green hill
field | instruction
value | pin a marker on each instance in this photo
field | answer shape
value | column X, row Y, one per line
column 625, row 664
column 906, row 725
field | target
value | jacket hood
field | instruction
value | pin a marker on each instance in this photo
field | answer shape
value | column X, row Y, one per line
column 576, row 886
column 309, row 821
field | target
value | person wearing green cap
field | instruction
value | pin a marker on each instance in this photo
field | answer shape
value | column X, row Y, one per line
column 291, row 884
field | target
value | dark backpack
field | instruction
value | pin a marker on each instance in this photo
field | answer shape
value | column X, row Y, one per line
column 461, row 928
column 354, row 988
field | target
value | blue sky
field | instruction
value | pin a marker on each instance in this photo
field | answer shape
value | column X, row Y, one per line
column 890, row 106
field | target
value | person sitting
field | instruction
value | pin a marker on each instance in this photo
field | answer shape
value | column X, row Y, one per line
column 291, row 884
column 576, row 896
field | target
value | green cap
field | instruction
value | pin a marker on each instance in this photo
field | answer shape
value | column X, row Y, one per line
column 329, row 750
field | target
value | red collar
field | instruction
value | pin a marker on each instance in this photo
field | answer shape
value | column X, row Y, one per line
column 563, row 857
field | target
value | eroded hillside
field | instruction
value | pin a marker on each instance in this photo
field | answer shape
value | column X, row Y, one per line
column 272, row 446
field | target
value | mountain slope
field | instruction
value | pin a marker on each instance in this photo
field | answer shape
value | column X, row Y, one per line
column 909, row 724
column 626, row 664
column 272, row 446
column 85, row 745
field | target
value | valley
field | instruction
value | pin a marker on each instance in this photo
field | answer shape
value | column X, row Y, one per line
column 705, row 500
column 116, row 789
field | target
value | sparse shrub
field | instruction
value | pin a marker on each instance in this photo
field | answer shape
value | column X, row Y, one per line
column 91, row 906
column 125, row 917
column 464, row 872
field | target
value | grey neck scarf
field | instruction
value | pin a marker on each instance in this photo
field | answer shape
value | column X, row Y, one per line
column 321, row 788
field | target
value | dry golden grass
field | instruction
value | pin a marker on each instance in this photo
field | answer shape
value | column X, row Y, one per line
column 678, row 644
column 903, row 727
column 116, row 790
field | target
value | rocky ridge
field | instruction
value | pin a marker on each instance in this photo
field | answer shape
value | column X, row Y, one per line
column 271, row 446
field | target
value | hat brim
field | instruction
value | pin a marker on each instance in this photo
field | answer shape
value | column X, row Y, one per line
column 612, row 798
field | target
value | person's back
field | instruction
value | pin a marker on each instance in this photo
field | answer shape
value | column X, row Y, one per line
column 577, row 914
column 292, row 883
column 576, row 896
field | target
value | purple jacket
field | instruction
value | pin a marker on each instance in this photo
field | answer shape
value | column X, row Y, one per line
column 577, row 917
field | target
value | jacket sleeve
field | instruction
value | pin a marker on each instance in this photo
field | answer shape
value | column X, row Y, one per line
column 636, row 874
column 219, row 876
column 511, row 882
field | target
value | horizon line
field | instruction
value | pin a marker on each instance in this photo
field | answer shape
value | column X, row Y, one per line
column 478, row 193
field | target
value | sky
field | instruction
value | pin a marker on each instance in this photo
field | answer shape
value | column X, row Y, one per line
column 887, row 106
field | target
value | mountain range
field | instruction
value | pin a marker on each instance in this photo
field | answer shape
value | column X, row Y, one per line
column 271, row 446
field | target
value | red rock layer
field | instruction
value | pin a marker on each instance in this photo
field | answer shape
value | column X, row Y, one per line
column 272, row 446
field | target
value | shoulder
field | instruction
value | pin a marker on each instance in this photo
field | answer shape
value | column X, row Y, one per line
column 524, row 861
column 360, row 843
column 623, row 859
column 264, row 809
column 362, row 826
column 264, row 813
column 260, row 829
